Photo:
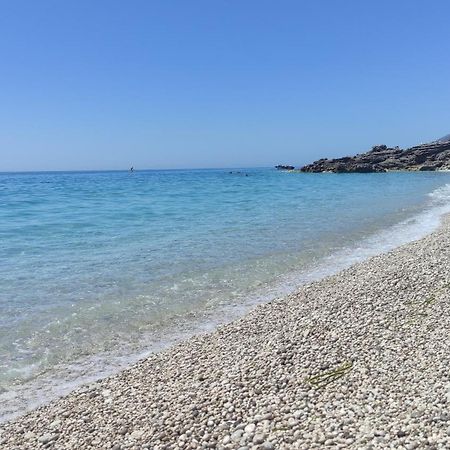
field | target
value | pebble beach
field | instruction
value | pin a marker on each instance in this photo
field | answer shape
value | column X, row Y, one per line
column 357, row 360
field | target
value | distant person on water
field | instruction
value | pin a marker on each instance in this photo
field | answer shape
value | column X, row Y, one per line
column 238, row 173
column 132, row 169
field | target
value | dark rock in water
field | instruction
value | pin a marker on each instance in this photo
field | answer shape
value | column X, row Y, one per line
column 425, row 157
column 282, row 167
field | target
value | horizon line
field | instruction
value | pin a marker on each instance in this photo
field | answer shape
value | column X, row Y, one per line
column 2, row 172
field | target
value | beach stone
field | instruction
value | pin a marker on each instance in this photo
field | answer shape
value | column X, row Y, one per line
column 237, row 435
column 250, row 428
column 46, row 438
column 258, row 438
column 55, row 423
column 136, row 434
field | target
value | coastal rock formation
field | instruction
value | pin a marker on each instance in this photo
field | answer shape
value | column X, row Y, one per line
column 284, row 167
column 425, row 157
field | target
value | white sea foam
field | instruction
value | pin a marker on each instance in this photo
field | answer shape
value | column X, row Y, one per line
column 408, row 230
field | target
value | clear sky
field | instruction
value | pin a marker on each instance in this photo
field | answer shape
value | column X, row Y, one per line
column 106, row 84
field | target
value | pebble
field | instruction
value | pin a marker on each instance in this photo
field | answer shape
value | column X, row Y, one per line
column 46, row 438
column 136, row 434
column 259, row 438
column 250, row 428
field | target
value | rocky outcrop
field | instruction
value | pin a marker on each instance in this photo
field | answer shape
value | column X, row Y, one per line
column 426, row 157
column 284, row 167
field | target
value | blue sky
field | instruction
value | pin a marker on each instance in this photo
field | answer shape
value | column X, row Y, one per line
column 106, row 84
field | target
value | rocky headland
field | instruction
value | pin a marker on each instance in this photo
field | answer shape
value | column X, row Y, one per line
column 425, row 157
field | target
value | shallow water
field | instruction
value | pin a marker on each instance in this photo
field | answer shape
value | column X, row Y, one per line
column 97, row 267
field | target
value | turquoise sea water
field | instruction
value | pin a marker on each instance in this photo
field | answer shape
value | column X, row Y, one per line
column 98, row 268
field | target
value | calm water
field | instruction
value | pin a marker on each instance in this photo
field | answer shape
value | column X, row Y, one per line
column 97, row 268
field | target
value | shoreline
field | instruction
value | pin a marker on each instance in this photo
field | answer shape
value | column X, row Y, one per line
column 355, row 360
column 65, row 379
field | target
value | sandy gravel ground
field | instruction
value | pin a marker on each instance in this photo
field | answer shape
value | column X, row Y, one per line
column 359, row 360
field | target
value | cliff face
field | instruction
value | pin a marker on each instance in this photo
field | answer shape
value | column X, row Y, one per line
column 432, row 156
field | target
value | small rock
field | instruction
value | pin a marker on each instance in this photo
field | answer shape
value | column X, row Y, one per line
column 46, row 438
column 250, row 428
column 258, row 438
column 55, row 424
column 136, row 434
column 236, row 436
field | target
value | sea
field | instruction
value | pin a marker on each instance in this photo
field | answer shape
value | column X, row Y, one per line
column 100, row 269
